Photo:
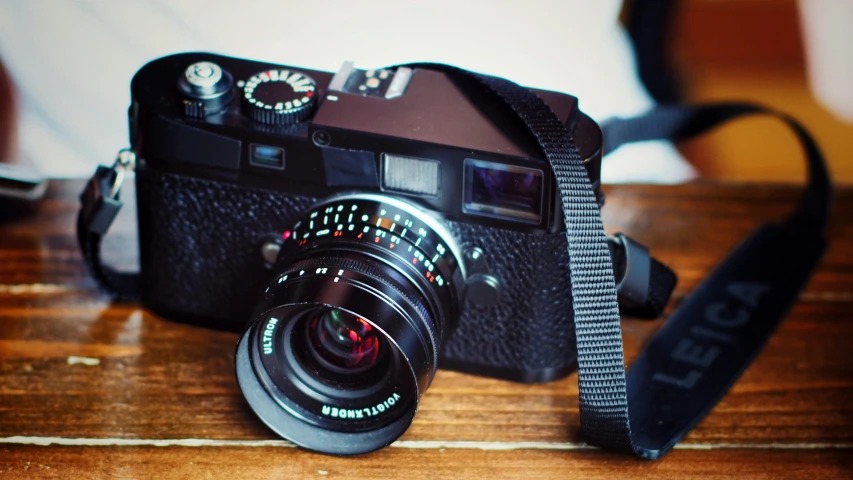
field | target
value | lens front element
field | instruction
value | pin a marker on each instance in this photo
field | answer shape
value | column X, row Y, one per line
column 344, row 342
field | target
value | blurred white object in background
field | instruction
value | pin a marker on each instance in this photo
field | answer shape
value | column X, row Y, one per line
column 828, row 38
column 72, row 61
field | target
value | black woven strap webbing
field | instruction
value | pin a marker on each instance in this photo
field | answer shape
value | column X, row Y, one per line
column 601, row 371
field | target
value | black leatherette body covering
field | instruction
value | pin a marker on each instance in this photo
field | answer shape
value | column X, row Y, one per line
column 199, row 249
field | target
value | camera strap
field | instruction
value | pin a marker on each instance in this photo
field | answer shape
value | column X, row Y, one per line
column 99, row 205
column 705, row 344
column 710, row 339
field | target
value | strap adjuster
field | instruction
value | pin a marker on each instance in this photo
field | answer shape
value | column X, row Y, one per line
column 633, row 289
column 100, row 199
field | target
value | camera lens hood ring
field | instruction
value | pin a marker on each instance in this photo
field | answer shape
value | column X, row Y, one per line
column 298, row 431
column 279, row 410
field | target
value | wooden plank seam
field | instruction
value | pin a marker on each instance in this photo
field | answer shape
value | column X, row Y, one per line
column 406, row 444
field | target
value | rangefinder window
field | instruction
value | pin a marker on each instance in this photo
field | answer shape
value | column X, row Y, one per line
column 502, row 191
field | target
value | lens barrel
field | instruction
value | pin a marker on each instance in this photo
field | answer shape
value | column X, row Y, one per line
column 346, row 338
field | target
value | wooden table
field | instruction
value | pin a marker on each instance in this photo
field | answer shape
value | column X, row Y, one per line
column 95, row 389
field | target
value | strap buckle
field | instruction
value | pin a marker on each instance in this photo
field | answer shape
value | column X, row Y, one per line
column 100, row 199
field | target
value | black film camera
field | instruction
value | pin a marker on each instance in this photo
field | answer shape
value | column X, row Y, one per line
column 369, row 225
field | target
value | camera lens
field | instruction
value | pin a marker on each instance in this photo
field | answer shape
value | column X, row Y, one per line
column 340, row 348
column 342, row 342
column 346, row 338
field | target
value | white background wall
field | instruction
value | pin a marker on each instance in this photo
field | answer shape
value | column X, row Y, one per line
column 72, row 61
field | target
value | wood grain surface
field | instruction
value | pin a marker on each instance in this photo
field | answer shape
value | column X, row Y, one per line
column 93, row 389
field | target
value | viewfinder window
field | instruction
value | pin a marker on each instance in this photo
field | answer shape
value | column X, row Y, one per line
column 503, row 191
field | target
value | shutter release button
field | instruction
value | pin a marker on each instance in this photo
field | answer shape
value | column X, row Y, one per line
column 206, row 89
column 203, row 74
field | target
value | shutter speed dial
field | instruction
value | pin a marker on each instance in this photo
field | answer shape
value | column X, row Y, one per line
column 279, row 97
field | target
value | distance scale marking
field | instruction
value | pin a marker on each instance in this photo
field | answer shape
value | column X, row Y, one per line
column 415, row 255
column 389, row 228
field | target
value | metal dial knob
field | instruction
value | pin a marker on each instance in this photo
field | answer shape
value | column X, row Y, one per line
column 279, row 97
column 206, row 89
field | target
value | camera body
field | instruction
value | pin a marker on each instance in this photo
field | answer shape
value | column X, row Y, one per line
column 232, row 153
